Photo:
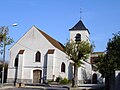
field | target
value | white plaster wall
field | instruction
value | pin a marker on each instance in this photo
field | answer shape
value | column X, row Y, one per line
column 20, row 65
column 31, row 42
column 88, row 69
column 79, row 73
column 85, row 71
column 28, row 72
column 50, row 63
column 59, row 58
column 11, row 73
column 11, row 68
column 34, row 41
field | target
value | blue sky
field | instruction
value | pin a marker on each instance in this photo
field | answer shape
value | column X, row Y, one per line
column 56, row 17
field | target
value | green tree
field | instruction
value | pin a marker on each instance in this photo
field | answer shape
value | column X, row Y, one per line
column 108, row 63
column 102, row 66
column 4, row 41
column 76, row 52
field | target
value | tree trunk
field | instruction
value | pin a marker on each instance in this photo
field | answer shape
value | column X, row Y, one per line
column 110, row 82
column 75, row 78
column 107, row 83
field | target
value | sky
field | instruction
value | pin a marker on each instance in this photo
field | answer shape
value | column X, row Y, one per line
column 56, row 17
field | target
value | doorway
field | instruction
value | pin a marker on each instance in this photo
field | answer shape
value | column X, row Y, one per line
column 94, row 78
column 37, row 76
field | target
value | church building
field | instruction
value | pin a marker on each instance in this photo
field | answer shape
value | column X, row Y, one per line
column 36, row 57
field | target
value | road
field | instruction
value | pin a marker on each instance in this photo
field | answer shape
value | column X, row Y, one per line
column 46, row 88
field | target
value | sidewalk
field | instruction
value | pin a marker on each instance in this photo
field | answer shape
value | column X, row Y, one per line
column 6, row 87
column 55, row 87
column 89, row 87
column 35, row 87
column 28, row 87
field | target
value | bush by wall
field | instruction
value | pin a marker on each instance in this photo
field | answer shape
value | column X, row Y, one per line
column 64, row 81
column 58, row 79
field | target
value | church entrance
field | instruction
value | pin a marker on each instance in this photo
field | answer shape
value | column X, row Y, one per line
column 37, row 76
column 94, row 78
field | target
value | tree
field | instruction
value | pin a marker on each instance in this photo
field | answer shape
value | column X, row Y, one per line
column 4, row 38
column 108, row 63
column 6, row 68
column 4, row 41
column 76, row 52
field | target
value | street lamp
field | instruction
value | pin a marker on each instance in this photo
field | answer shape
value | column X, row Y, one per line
column 4, row 31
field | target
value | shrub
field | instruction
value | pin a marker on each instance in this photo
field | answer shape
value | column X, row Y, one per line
column 49, row 81
column 58, row 79
column 69, row 81
column 64, row 81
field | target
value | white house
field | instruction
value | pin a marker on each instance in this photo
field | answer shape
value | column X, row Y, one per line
column 37, row 56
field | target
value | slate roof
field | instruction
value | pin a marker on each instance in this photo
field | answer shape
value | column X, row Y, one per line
column 79, row 26
column 52, row 41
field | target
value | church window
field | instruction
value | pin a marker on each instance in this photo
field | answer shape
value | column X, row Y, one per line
column 37, row 56
column 63, row 67
column 16, row 62
column 78, row 37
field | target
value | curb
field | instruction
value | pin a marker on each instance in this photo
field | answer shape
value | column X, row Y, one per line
column 34, row 87
column 6, row 87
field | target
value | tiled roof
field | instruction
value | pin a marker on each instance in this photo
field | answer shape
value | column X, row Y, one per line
column 97, row 52
column 79, row 26
column 52, row 41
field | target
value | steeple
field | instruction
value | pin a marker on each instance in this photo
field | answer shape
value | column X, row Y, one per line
column 79, row 31
column 79, row 26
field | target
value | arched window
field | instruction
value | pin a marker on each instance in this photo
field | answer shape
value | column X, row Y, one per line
column 63, row 67
column 16, row 61
column 78, row 37
column 37, row 56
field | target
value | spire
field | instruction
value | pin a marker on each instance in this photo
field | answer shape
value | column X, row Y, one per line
column 79, row 26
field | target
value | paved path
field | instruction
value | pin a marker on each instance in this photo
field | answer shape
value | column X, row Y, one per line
column 32, row 88
column 55, row 87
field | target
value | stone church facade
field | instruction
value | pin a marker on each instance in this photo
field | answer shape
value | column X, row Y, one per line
column 36, row 57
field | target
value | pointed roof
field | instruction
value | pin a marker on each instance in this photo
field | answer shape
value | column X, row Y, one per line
column 79, row 26
column 52, row 41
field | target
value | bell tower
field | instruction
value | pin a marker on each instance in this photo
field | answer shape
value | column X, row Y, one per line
column 79, row 32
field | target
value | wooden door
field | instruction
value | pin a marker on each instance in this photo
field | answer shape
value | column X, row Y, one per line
column 37, row 76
